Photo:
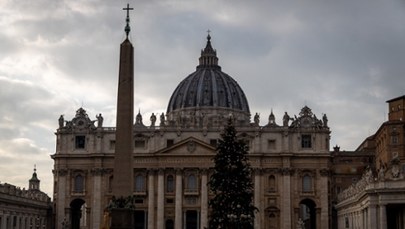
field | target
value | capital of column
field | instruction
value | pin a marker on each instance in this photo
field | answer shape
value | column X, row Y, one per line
column 161, row 171
column 151, row 171
column 287, row 171
column 324, row 172
column 257, row 171
column 62, row 172
column 179, row 171
column 204, row 171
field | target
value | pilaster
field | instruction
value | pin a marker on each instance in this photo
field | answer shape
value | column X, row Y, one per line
column 151, row 199
column 383, row 217
column 160, row 200
column 257, row 198
column 204, row 200
column 178, row 222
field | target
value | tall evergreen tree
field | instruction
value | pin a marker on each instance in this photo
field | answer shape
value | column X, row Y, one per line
column 231, row 184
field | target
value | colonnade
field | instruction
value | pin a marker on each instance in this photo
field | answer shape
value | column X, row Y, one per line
column 17, row 220
column 370, row 217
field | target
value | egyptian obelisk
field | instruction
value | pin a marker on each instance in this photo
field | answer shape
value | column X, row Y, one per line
column 122, row 213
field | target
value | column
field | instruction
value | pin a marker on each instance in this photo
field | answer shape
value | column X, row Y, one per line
column 324, row 205
column 160, row 200
column 151, row 200
column 257, row 198
column 17, row 224
column 178, row 223
column 204, row 200
column 4, row 222
column 286, row 200
column 372, row 217
column 61, row 196
column 383, row 217
column 96, row 202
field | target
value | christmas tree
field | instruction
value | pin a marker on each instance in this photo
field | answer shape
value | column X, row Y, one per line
column 231, row 184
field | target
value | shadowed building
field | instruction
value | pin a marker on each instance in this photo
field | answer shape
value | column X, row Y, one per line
column 377, row 200
column 21, row 208
column 172, row 159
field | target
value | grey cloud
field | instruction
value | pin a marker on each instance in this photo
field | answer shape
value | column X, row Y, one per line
column 338, row 57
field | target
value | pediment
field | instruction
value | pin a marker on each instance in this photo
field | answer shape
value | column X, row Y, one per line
column 189, row 146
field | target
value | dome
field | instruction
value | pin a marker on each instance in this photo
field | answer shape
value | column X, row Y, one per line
column 208, row 90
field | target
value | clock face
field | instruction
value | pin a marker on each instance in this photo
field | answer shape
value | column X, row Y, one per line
column 80, row 122
column 306, row 122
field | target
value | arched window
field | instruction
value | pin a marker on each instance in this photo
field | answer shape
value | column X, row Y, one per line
column 139, row 183
column 79, row 184
column 307, row 183
column 169, row 184
column 192, row 182
column 272, row 183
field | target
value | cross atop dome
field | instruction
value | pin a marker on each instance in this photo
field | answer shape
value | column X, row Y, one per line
column 127, row 27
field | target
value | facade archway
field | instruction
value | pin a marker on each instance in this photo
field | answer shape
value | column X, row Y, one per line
column 76, row 213
column 307, row 214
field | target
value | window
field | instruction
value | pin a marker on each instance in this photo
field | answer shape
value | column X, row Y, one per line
column 139, row 200
column 169, row 184
column 306, row 183
column 306, row 141
column 140, row 144
column 79, row 184
column 80, row 142
column 192, row 183
column 140, row 183
column 214, row 142
column 394, row 139
column 112, row 144
column 271, row 144
column 272, row 183
column 169, row 142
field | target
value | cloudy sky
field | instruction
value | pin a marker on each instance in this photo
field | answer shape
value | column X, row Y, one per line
column 343, row 58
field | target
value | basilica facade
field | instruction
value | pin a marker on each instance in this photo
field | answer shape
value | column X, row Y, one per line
column 172, row 160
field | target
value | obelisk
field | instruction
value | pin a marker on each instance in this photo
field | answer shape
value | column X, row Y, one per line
column 122, row 211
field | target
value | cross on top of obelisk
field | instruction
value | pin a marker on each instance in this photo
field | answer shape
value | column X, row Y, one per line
column 127, row 28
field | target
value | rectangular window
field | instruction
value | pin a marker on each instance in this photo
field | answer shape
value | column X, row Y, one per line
column 112, row 145
column 213, row 142
column 271, row 144
column 169, row 142
column 394, row 139
column 80, row 142
column 307, row 183
column 139, row 200
column 140, row 144
column 306, row 141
